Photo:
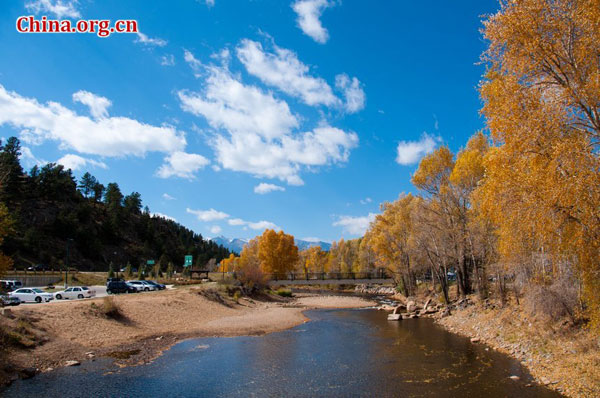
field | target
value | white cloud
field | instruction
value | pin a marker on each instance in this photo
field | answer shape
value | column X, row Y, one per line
column 259, row 127
column 28, row 158
column 355, row 225
column 215, row 229
column 167, row 60
column 76, row 162
column 208, row 215
column 365, row 201
column 110, row 136
column 229, row 104
column 210, row 3
column 264, row 188
column 59, row 8
column 410, row 152
column 309, row 12
column 260, row 225
column 284, row 70
column 149, row 41
column 163, row 216
column 353, row 92
column 166, row 196
column 181, row 164
column 98, row 105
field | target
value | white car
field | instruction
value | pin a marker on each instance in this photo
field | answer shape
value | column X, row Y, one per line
column 142, row 286
column 31, row 295
column 78, row 292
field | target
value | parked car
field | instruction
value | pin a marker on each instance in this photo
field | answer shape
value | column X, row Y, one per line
column 117, row 287
column 39, row 267
column 142, row 286
column 6, row 300
column 78, row 292
column 159, row 286
column 10, row 285
column 31, row 295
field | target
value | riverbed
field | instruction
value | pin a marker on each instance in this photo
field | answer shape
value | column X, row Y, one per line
column 340, row 353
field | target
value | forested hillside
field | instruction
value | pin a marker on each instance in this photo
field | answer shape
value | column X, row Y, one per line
column 48, row 209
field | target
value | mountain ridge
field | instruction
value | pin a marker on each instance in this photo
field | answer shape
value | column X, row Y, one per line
column 237, row 244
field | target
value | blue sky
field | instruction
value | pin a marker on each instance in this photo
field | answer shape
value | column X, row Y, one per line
column 231, row 116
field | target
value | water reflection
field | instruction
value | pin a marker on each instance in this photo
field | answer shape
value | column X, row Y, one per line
column 342, row 353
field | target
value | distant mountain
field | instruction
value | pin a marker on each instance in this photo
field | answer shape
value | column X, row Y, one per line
column 305, row 244
column 236, row 244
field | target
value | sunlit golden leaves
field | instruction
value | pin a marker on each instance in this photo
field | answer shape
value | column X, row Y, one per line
column 542, row 104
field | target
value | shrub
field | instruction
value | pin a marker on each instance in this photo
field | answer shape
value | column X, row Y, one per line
column 237, row 295
column 553, row 301
column 283, row 292
column 252, row 278
column 111, row 309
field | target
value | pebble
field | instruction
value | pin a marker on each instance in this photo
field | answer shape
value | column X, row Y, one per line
column 475, row 340
column 515, row 378
column 72, row 363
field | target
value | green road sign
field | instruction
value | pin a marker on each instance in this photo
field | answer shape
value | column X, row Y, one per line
column 150, row 262
column 188, row 261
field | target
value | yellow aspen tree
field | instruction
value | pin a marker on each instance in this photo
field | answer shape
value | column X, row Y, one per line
column 277, row 252
column 541, row 98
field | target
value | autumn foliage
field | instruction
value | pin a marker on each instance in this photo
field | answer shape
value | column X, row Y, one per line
column 520, row 208
column 271, row 253
column 542, row 105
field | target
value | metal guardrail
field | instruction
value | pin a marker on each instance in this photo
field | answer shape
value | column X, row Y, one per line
column 379, row 274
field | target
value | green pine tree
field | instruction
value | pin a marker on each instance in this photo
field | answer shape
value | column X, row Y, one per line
column 128, row 272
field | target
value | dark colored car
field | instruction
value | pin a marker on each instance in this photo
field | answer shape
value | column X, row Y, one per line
column 117, row 287
column 10, row 285
column 39, row 267
column 159, row 286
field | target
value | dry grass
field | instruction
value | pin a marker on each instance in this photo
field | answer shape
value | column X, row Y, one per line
column 555, row 351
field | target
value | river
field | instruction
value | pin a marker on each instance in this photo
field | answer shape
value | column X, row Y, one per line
column 340, row 353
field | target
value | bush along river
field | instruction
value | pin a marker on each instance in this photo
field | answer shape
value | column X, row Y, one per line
column 340, row 353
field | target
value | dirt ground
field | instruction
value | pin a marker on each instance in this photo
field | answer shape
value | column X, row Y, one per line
column 149, row 323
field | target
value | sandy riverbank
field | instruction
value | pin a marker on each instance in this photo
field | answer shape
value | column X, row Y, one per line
column 153, row 322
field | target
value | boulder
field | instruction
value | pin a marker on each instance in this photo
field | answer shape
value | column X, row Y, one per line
column 515, row 378
column 411, row 306
column 414, row 316
column 72, row 363
column 394, row 317
column 475, row 340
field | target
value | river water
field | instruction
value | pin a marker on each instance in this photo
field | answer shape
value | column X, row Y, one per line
column 340, row 353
